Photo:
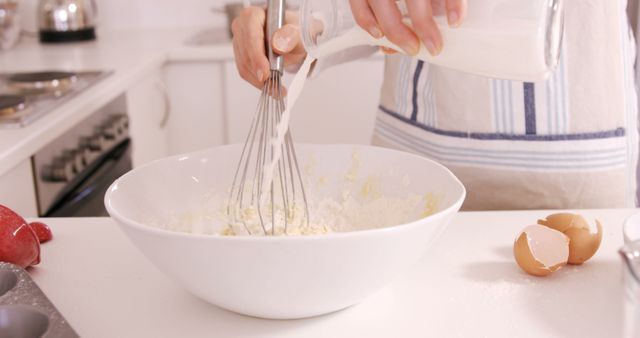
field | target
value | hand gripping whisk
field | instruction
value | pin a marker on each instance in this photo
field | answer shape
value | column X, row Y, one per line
column 267, row 194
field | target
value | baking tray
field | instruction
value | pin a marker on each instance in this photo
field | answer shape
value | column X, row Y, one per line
column 25, row 311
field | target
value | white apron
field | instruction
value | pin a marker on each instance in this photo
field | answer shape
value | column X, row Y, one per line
column 568, row 142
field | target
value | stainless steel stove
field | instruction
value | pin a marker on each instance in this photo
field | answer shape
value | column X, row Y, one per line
column 25, row 97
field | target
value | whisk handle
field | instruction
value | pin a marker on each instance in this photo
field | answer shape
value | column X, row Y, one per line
column 275, row 20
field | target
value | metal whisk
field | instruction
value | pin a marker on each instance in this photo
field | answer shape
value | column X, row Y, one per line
column 275, row 199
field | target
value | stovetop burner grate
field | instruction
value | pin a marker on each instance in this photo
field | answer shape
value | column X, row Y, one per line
column 42, row 82
column 10, row 104
column 40, row 77
column 40, row 92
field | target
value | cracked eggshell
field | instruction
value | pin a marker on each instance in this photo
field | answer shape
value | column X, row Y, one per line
column 584, row 240
column 563, row 221
column 539, row 250
column 583, row 243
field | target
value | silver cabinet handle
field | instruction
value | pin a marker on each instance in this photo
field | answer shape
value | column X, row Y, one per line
column 167, row 103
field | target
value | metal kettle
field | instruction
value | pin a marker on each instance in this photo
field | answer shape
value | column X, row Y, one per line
column 631, row 256
column 66, row 20
column 9, row 24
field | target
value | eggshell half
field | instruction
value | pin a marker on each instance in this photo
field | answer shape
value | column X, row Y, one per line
column 583, row 240
column 563, row 221
column 540, row 250
column 583, row 243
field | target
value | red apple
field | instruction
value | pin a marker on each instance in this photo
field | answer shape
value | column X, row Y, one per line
column 18, row 242
column 42, row 231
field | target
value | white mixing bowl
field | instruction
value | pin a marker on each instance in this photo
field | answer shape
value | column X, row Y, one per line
column 281, row 277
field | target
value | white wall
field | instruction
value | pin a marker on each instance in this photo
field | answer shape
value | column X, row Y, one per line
column 145, row 14
column 128, row 14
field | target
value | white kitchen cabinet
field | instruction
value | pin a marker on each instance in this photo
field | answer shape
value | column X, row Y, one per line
column 196, row 93
column 17, row 190
column 336, row 106
column 149, row 113
column 209, row 105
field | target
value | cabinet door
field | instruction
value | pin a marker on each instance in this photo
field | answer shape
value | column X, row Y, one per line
column 149, row 112
column 17, row 190
column 336, row 106
column 197, row 107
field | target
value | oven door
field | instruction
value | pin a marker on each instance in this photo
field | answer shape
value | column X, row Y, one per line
column 85, row 198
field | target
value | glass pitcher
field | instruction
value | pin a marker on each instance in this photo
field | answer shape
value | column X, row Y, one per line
column 631, row 256
column 506, row 39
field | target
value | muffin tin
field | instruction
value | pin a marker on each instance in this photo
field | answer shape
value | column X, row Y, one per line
column 25, row 311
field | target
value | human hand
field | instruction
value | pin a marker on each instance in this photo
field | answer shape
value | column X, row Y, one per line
column 249, row 44
column 383, row 18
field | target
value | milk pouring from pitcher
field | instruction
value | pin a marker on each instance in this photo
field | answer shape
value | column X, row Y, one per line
column 505, row 39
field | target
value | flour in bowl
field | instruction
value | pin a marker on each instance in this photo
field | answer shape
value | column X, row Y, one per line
column 353, row 211
column 360, row 204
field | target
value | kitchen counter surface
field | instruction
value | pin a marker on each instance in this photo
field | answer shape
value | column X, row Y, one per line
column 467, row 285
column 130, row 55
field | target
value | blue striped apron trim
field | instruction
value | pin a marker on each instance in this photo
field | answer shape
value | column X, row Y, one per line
column 444, row 155
column 618, row 132
column 574, row 155
column 603, row 158
column 502, row 106
column 496, row 104
column 427, row 99
column 414, row 97
column 556, row 105
column 402, row 84
column 529, row 108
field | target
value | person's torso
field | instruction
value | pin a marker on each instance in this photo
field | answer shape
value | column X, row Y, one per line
column 567, row 142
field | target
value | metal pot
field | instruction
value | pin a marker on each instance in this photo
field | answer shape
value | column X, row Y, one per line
column 631, row 256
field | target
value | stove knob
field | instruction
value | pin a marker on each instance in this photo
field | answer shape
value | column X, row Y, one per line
column 109, row 131
column 60, row 170
column 75, row 158
column 85, row 154
column 107, row 135
column 115, row 121
column 94, row 142
column 120, row 124
column 117, row 127
column 123, row 122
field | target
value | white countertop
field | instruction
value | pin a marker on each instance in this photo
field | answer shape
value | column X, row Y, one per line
column 467, row 285
column 130, row 55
